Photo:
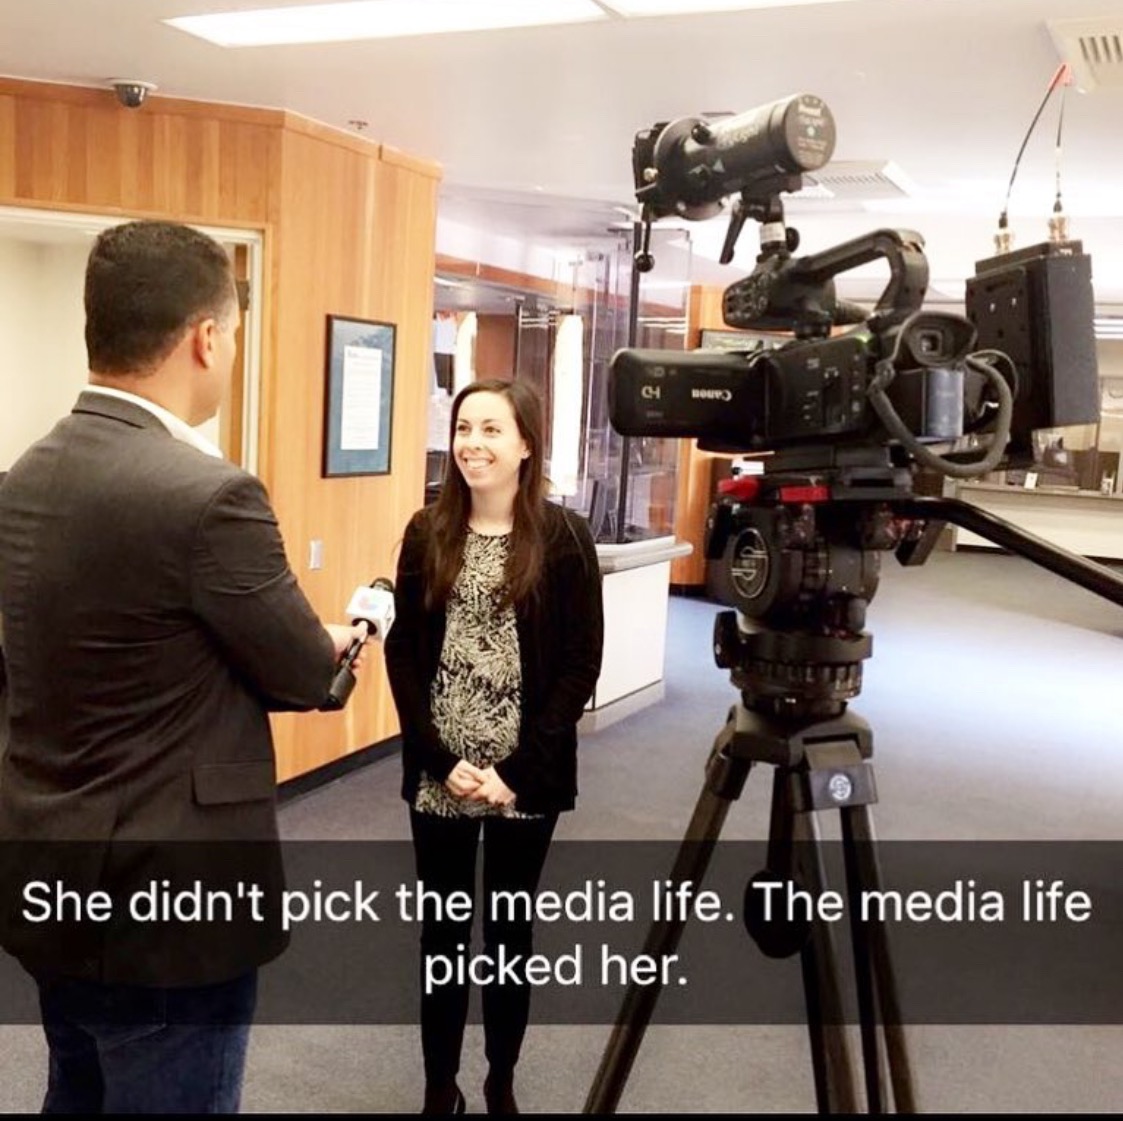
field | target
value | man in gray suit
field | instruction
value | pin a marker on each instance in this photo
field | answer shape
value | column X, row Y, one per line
column 151, row 622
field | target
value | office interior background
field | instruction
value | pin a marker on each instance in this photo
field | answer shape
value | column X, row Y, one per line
column 474, row 189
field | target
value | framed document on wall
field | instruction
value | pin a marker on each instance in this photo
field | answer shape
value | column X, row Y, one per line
column 358, row 396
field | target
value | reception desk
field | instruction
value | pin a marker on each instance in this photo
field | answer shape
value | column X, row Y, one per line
column 636, row 591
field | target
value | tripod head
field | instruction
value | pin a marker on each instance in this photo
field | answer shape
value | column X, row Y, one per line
column 799, row 557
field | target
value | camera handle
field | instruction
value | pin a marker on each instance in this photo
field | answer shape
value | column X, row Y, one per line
column 785, row 293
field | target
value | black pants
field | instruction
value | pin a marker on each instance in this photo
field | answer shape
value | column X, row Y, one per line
column 514, row 853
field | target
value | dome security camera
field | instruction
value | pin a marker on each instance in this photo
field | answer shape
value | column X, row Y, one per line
column 131, row 92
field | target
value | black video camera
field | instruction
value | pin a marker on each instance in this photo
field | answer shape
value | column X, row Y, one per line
column 896, row 377
column 803, row 392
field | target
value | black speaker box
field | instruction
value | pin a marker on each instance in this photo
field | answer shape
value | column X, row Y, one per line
column 1037, row 306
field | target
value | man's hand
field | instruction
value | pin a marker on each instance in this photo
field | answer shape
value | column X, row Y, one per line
column 464, row 779
column 492, row 789
column 342, row 636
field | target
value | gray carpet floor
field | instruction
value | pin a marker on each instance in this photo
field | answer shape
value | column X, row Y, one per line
column 996, row 696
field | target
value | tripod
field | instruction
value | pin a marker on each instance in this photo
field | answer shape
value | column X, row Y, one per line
column 819, row 764
column 802, row 566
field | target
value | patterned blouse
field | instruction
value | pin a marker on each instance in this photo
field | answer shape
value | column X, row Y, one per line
column 476, row 694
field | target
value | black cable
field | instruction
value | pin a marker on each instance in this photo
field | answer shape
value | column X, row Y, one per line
column 884, row 375
column 988, row 405
column 1058, row 223
column 1060, row 127
column 1062, row 71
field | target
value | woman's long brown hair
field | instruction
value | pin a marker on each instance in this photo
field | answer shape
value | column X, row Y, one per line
column 445, row 553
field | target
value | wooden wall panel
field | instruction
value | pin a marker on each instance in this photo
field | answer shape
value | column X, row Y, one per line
column 7, row 145
column 79, row 148
column 349, row 229
column 104, row 173
column 357, row 234
column 495, row 346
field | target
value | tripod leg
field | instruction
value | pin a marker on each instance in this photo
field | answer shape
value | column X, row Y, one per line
column 863, row 964
column 871, row 955
column 725, row 779
column 796, row 934
column 826, row 1026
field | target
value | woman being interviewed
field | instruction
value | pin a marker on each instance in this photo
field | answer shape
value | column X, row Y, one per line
column 493, row 655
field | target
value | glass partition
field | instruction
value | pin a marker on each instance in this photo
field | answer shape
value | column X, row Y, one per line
column 561, row 336
column 630, row 483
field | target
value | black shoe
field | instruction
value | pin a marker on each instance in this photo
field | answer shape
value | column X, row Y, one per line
column 499, row 1093
column 444, row 1099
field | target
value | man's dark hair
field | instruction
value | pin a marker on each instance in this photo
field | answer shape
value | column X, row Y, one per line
column 146, row 282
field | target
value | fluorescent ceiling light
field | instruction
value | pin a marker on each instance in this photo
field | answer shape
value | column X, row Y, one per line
column 379, row 19
column 631, row 8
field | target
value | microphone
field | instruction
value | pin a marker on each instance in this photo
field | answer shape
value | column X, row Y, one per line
column 373, row 607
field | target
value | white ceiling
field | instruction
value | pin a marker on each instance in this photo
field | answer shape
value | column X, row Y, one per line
column 534, row 127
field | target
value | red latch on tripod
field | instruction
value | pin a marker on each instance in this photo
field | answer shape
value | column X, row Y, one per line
column 816, row 493
column 743, row 488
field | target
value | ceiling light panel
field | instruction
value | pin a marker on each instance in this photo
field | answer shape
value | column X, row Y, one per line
column 635, row 8
column 379, row 19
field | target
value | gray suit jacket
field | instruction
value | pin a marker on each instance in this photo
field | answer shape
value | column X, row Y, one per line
column 151, row 622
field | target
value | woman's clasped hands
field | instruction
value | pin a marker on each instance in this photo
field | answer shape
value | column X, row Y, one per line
column 476, row 784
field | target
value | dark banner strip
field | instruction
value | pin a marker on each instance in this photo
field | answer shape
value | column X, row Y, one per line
column 995, row 933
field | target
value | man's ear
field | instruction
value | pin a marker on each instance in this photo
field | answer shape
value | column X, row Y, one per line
column 203, row 341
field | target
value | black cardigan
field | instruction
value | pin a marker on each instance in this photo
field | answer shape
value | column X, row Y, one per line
column 561, row 632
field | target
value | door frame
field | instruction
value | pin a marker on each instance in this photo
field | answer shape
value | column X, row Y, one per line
column 92, row 223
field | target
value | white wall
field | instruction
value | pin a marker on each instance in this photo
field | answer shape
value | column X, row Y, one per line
column 1110, row 354
column 42, row 341
column 42, row 347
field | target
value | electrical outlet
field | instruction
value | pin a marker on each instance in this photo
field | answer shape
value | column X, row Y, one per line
column 315, row 554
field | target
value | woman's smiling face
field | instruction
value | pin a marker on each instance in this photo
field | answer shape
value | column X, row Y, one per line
column 488, row 447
